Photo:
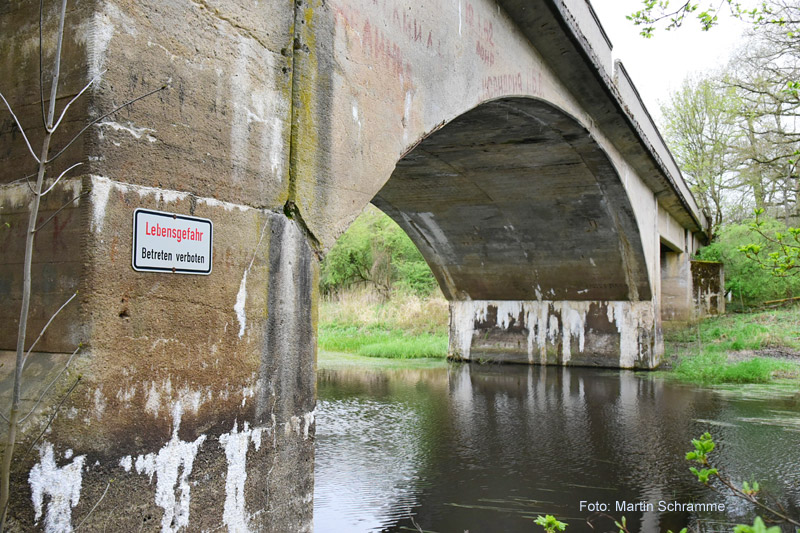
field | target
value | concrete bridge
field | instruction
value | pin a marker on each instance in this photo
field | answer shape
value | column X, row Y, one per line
column 498, row 134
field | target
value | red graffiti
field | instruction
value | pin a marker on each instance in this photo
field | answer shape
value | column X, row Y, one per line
column 380, row 47
column 486, row 55
column 504, row 84
column 58, row 230
column 533, row 82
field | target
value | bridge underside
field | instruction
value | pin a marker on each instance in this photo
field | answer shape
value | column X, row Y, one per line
column 531, row 236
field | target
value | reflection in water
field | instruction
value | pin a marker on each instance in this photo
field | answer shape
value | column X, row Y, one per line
column 487, row 448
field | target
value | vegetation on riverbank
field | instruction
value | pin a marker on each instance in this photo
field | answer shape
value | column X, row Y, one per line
column 756, row 347
column 407, row 326
column 380, row 299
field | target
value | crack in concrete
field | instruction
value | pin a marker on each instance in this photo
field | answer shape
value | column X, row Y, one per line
column 214, row 12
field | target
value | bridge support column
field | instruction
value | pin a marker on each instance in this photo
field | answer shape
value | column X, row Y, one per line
column 189, row 405
column 616, row 334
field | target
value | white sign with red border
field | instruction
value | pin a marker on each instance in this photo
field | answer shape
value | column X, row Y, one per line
column 168, row 242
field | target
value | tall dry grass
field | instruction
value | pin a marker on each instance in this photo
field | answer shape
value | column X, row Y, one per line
column 403, row 311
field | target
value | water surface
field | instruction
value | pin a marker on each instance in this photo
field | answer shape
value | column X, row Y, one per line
column 463, row 447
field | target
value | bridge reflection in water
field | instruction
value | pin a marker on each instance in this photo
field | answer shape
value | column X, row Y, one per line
column 488, row 448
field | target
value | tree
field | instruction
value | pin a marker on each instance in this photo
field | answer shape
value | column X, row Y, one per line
column 375, row 251
column 784, row 258
column 655, row 12
column 764, row 78
column 700, row 131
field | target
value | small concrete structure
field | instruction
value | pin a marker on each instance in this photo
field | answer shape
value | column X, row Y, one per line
column 499, row 135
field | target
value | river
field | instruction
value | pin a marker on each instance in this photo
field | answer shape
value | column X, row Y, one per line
column 460, row 447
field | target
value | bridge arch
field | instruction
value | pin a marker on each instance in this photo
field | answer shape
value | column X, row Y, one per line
column 515, row 200
column 531, row 234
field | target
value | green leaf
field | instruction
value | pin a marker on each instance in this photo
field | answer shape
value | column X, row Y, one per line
column 757, row 527
column 550, row 524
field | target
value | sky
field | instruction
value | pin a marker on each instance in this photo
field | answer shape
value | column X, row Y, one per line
column 659, row 65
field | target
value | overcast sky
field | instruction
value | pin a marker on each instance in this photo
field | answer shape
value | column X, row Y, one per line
column 658, row 65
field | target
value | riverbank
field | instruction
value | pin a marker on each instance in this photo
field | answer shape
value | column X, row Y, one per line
column 754, row 347
column 405, row 327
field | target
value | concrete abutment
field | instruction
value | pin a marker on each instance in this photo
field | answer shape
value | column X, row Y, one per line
column 569, row 333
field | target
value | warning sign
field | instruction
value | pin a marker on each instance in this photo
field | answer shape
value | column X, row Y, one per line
column 168, row 242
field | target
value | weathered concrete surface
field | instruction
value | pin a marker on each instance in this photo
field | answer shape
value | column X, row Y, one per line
column 708, row 288
column 515, row 201
column 196, row 393
column 280, row 122
column 579, row 333
column 172, row 388
column 676, row 288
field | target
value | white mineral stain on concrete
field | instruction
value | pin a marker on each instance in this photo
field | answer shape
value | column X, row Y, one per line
column 172, row 466
column 247, row 392
column 548, row 323
column 238, row 307
column 227, row 206
column 257, row 114
column 153, row 403
column 99, row 403
column 299, row 425
column 101, row 187
column 61, row 484
column 126, row 394
column 627, row 317
column 241, row 296
column 308, row 421
column 163, row 392
column 236, row 445
column 96, row 34
column 136, row 133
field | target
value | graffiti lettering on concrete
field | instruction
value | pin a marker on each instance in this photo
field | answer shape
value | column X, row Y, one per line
column 521, row 83
column 486, row 54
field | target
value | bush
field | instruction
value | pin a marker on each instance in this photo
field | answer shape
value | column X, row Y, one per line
column 377, row 253
column 748, row 282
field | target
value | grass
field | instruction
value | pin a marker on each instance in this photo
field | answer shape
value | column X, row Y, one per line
column 405, row 327
column 738, row 348
column 735, row 349
column 343, row 360
column 378, row 341
column 713, row 367
column 756, row 330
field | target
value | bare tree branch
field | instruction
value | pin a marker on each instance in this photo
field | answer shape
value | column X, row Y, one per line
column 93, row 508
column 20, row 127
column 76, row 198
column 66, row 366
column 53, row 416
column 98, row 119
column 41, row 333
column 59, row 179
column 64, row 111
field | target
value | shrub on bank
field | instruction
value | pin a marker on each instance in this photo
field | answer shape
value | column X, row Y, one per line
column 748, row 284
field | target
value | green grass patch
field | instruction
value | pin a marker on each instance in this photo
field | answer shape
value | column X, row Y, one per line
column 711, row 367
column 342, row 360
column 706, row 353
column 379, row 341
column 745, row 331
